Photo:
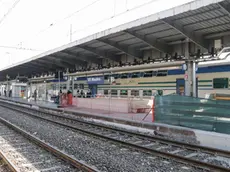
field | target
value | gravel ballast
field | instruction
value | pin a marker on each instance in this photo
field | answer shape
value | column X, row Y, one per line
column 103, row 154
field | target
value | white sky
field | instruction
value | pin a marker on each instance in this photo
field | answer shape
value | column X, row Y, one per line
column 42, row 25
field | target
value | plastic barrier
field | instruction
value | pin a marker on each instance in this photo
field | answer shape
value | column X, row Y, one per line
column 70, row 99
column 198, row 113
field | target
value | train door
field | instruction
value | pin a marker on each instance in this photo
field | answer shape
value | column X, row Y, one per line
column 93, row 89
column 180, row 86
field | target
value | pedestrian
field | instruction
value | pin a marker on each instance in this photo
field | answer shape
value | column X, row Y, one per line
column 35, row 95
column 47, row 95
column 5, row 92
column 10, row 93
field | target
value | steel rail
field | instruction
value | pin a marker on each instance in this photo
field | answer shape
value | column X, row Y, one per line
column 9, row 164
column 152, row 138
column 76, row 163
column 166, row 155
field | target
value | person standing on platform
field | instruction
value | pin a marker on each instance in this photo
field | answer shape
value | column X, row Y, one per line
column 35, row 95
column 10, row 93
column 47, row 95
column 5, row 92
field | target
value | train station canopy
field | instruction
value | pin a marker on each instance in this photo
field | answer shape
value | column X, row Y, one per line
column 197, row 21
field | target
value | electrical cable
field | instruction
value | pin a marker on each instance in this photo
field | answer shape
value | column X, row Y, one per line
column 9, row 11
column 119, row 14
column 99, row 22
column 19, row 48
column 68, row 16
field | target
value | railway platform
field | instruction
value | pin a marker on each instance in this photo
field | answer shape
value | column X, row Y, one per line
column 139, row 117
column 134, row 122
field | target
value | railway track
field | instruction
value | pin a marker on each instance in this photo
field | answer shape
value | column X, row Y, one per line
column 194, row 155
column 23, row 152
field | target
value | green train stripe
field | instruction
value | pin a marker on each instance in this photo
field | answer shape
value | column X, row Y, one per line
column 204, row 80
column 160, row 86
column 204, row 85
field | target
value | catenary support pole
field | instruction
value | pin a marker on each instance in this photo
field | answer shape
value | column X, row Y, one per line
column 194, row 78
column 188, row 72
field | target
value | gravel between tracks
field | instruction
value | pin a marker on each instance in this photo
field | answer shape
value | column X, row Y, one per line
column 105, row 155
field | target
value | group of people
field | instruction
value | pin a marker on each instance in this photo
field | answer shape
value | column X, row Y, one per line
column 9, row 94
column 81, row 93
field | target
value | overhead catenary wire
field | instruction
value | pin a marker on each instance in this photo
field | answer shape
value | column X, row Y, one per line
column 9, row 11
column 19, row 48
column 65, row 18
column 99, row 22
column 116, row 15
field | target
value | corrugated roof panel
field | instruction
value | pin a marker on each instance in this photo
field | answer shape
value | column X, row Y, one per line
column 163, row 33
column 153, row 29
column 114, row 35
column 197, row 18
column 75, row 49
column 129, row 41
column 152, row 24
column 217, row 28
column 106, row 48
column 195, row 12
column 173, row 38
column 213, row 24
column 138, row 45
column 95, row 44
column 122, row 37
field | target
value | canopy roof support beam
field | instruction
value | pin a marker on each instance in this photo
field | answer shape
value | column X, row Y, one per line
column 151, row 42
column 125, row 49
column 54, row 65
column 82, row 58
column 69, row 59
column 225, row 9
column 34, row 63
column 106, row 55
column 187, row 32
column 64, row 63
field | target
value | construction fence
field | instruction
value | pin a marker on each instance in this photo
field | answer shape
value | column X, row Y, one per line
column 204, row 114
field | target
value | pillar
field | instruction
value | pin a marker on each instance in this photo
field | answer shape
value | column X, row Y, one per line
column 72, row 83
column 188, row 72
column 194, row 78
column 27, row 91
column 31, row 90
column 68, row 81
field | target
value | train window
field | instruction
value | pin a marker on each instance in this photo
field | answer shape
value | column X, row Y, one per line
column 124, row 92
column 75, row 86
column 162, row 73
column 81, row 86
column 135, row 92
column 106, row 77
column 147, row 92
column 154, row 73
column 220, row 83
column 124, row 75
column 106, row 92
column 114, row 92
column 136, row 75
column 148, row 74
column 63, row 86
column 116, row 76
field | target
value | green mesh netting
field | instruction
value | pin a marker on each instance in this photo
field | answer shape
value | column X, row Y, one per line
column 210, row 115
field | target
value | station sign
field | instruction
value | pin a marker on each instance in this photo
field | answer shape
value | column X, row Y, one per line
column 95, row 80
